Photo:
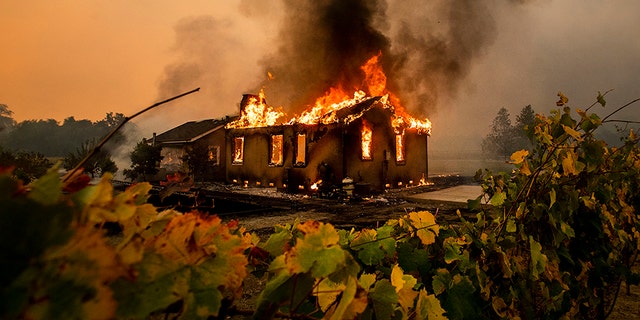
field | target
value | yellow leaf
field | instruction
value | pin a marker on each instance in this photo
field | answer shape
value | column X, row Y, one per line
column 428, row 307
column 524, row 169
column 90, row 260
column 352, row 302
column 563, row 99
column 404, row 288
column 573, row 133
column 396, row 277
column 568, row 164
column 426, row 227
column 367, row 280
column 519, row 156
column 327, row 291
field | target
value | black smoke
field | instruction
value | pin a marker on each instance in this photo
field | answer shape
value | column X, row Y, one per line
column 427, row 48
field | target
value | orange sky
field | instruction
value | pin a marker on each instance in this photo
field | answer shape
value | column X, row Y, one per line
column 84, row 58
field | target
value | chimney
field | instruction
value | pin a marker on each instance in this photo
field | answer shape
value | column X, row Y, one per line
column 153, row 141
column 246, row 98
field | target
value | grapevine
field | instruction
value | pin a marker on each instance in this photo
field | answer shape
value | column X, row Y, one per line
column 552, row 239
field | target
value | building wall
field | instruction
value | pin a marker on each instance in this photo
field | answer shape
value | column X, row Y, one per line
column 173, row 153
column 215, row 139
column 333, row 153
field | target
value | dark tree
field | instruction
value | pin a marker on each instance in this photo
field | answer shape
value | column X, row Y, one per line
column 6, row 118
column 500, row 141
column 28, row 166
column 145, row 161
column 505, row 138
column 197, row 160
column 100, row 163
column 53, row 139
column 524, row 120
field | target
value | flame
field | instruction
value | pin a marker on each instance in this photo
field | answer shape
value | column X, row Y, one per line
column 238, row 150
column 399, row 147
column 257, row 113
column 276, row 150
column 315, row 185
column 367, row 133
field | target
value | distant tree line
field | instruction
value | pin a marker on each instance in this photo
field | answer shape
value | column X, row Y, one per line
column 49, row 137
column 27, row 145
column 505, row 137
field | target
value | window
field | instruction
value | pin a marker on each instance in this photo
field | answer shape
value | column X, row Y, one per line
column 400, row 148
column 214, row 155
column 238, row 150
column 367, row 134
column 276, row 156
column 301, row 150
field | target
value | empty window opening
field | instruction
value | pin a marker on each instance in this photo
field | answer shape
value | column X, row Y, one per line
column 238, row 150
column 276, row 158
column 301, row 149
column 214, row 155
column 367, row 134
column 400, row 148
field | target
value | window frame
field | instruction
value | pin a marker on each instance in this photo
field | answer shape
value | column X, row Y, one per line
column 235, row 160
column 272, row 148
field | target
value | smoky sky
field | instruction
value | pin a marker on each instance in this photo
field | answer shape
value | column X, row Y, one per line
column 323, row 43
column 455, row 62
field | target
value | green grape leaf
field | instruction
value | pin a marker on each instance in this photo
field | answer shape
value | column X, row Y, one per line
column 601, row 100
column 386, row 239
column 275, row 245
column 511, row 225
column 282, row 290
column 196, row 259
column 73, row 279
column 384, row 299
column 474, row 204
column 441, row 281
column 317, row 252
column 498, row 198
column 367, row 280
column 47, row 190
column 538, row 259
column 369, row 250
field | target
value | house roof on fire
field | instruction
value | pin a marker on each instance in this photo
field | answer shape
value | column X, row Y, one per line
column 192, row 130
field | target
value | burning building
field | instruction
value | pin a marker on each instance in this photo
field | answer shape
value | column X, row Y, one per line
column 363, row 140
column 367, row 140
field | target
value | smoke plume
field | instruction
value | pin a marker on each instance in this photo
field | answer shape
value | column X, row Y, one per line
column 427, row 49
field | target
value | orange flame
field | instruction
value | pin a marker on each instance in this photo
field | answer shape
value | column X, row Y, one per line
column 367, row 134
column 399, row 147
column 258, row 114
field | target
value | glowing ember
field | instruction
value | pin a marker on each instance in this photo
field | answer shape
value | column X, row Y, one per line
column 315, row 185
column 367, row 134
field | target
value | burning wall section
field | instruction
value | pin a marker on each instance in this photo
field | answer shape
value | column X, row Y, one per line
column 360, row 141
